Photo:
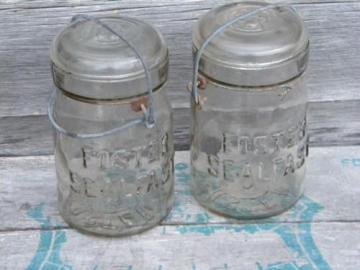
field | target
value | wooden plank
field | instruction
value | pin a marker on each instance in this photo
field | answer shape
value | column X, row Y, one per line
column 319, row 246
column 32, row 135
column 331, row 191
column 29, row 26
column 26, row 4
column 23, row 136
column 321, row 232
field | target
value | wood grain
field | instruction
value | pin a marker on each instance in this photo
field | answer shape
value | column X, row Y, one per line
column 331, row 186
column 166, row 248
column 29, row 26
column 33, row 135
column 320, row 232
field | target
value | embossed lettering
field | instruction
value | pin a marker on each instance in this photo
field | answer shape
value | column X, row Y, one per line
column 260, row 145
column 244, row 144
column 231, row 171
column 263, row 144
column 137, row 157
column 213, row 162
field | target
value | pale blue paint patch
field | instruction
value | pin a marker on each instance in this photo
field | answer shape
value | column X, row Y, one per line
column 313, row 252
column 181, row 166
column 302, row 242
column 351, row 162
column 346, row 162
column 177, row 210
column 182, row 203
column 184, row 192
column 181, row 173
column 47, row 255
column 296, row 237
column 290, row 239
column 212, row 229
column 356, row 162
column 202, row 218
column 259, row 267
column 283, row 266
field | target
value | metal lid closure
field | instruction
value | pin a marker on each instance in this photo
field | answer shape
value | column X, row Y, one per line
column 147, row 109
column 251, row 44
column 92, row 62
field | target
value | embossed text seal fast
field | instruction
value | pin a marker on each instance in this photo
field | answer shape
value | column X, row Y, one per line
column 249, row 103
column 114, row 147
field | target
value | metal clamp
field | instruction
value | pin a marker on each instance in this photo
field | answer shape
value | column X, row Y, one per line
column 148, row 119
column 195, row 82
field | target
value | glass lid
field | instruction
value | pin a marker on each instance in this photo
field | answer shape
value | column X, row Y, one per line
column 90, row 61
column 266, row 48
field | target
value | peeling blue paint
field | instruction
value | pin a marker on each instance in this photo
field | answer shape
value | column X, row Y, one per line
column 180, row 208
column 212, row 229
column 351, row 162
column 47, row 256
column 181, row 166
column 283, row 266
column 296, row 237
column 181, row 174
column 202, row 218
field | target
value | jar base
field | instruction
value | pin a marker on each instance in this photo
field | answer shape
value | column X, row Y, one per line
column 248, row 217
column 103, row 233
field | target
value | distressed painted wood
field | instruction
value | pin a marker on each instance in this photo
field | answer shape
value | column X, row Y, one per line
column 315, row 246
column 331, row 191
column 10, row 4
column 29, row 26
column 321, row 232
column 32, row 135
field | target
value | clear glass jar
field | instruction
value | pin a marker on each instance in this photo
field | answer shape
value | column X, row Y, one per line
column 121, row 183
column 249, row 134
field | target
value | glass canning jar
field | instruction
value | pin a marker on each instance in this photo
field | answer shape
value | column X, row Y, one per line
column 112, row 183
column 249, row 133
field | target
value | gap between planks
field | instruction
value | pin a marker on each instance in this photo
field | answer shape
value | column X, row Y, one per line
column 22, row 5
column 68, row 228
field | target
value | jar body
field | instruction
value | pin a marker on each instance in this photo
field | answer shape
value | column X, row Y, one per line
column 117, row 184
column 249, row 147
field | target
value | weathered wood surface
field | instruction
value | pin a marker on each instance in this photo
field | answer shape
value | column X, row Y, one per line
column 27, row 33
column 234, row 247
column 331, row 182
column 29, row 26
column 32, row 135
column 321, row 232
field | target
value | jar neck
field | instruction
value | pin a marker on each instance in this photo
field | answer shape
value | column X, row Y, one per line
column 114, row 101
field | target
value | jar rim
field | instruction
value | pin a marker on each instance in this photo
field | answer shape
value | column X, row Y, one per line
column 89, row 60
column 266, row 48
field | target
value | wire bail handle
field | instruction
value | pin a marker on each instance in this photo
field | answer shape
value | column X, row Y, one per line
column 148, row 119
column 196, row 81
